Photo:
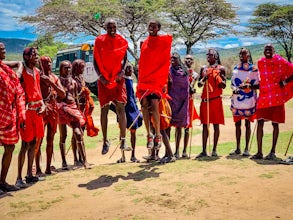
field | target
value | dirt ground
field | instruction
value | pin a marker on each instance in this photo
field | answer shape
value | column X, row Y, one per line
column 229, row 187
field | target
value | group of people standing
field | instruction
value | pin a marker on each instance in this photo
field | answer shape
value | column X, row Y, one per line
column 161, row 79
column 32, row 98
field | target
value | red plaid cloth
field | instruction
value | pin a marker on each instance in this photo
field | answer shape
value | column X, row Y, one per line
column 51, row 115
column 12, row 105
column 70, row 113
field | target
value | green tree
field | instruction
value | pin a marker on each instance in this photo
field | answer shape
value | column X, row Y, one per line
column 47, row 46
column 87, row 17
column 276, row 23
column 200, row 20
column 133, row 20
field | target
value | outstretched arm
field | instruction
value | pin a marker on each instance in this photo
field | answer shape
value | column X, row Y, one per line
column 15, row 64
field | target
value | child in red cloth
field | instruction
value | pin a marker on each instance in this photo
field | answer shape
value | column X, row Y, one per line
column 33, row 132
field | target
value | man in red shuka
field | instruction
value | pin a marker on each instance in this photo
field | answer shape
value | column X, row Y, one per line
column 110, row 56
column 275, row 72
column 12, row 114
column 153, row 74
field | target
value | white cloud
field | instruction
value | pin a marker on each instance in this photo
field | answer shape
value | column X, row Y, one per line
column 9, row 10
column 247, row 43
column 228, row 46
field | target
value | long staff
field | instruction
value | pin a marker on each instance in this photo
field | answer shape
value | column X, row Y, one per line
column 208, row 113
column 134, row 121
column 190, row 135
column 289, row 144
column 249, row 148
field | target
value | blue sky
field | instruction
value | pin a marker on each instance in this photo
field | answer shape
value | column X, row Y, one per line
column 10, row 28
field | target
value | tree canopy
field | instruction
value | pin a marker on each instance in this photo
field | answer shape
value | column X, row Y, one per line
column 87, row 17
column 47, row 46
column 190, row 20
column 200, row 20
column 276, row 23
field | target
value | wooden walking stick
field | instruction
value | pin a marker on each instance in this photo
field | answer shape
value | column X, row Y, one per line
column 249, row 148
column 190, row 135
column 128, row 129
column 208, row 114
column 289, row 144
column 114, row 150
column 68, row 149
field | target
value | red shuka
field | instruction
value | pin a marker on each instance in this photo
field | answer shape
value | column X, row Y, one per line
column 12, row 105
column 154, row 65
column 109, row 53
column 272, row 71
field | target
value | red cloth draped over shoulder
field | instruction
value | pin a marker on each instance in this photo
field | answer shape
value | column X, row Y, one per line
column 214, row 79
column 12, row 105
column 91, row 129
column 154, row 64
column 109, row 53
column 272, row 71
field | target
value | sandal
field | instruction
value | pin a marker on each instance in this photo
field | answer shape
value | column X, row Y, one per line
column 5, row 187
column 148, row 157
column 257, row 156
column 288, row 161
column 185, row 156
column 121, row 160
column 158, row 142
column 167, row 160
column 40, row 174
column 214, row 154
column 271, row 156
column 124, row 146
column 150, row 141
column 64, row 166
column 20, row 184
column 202, row 154
column 31, row 179
column 246, row 153
column 134, row 160
column 176, row 155
column 235, row 152
column 106, row 147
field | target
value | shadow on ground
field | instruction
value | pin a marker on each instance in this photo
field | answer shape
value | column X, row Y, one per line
column 147, row 171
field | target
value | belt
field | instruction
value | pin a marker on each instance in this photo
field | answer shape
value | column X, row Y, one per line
column 34, row 106
column 208, row 100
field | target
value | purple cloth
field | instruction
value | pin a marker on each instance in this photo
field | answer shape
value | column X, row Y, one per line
column 179, row 92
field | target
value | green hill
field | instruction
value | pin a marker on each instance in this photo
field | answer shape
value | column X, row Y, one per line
column 14, row 45
column 230, row 57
